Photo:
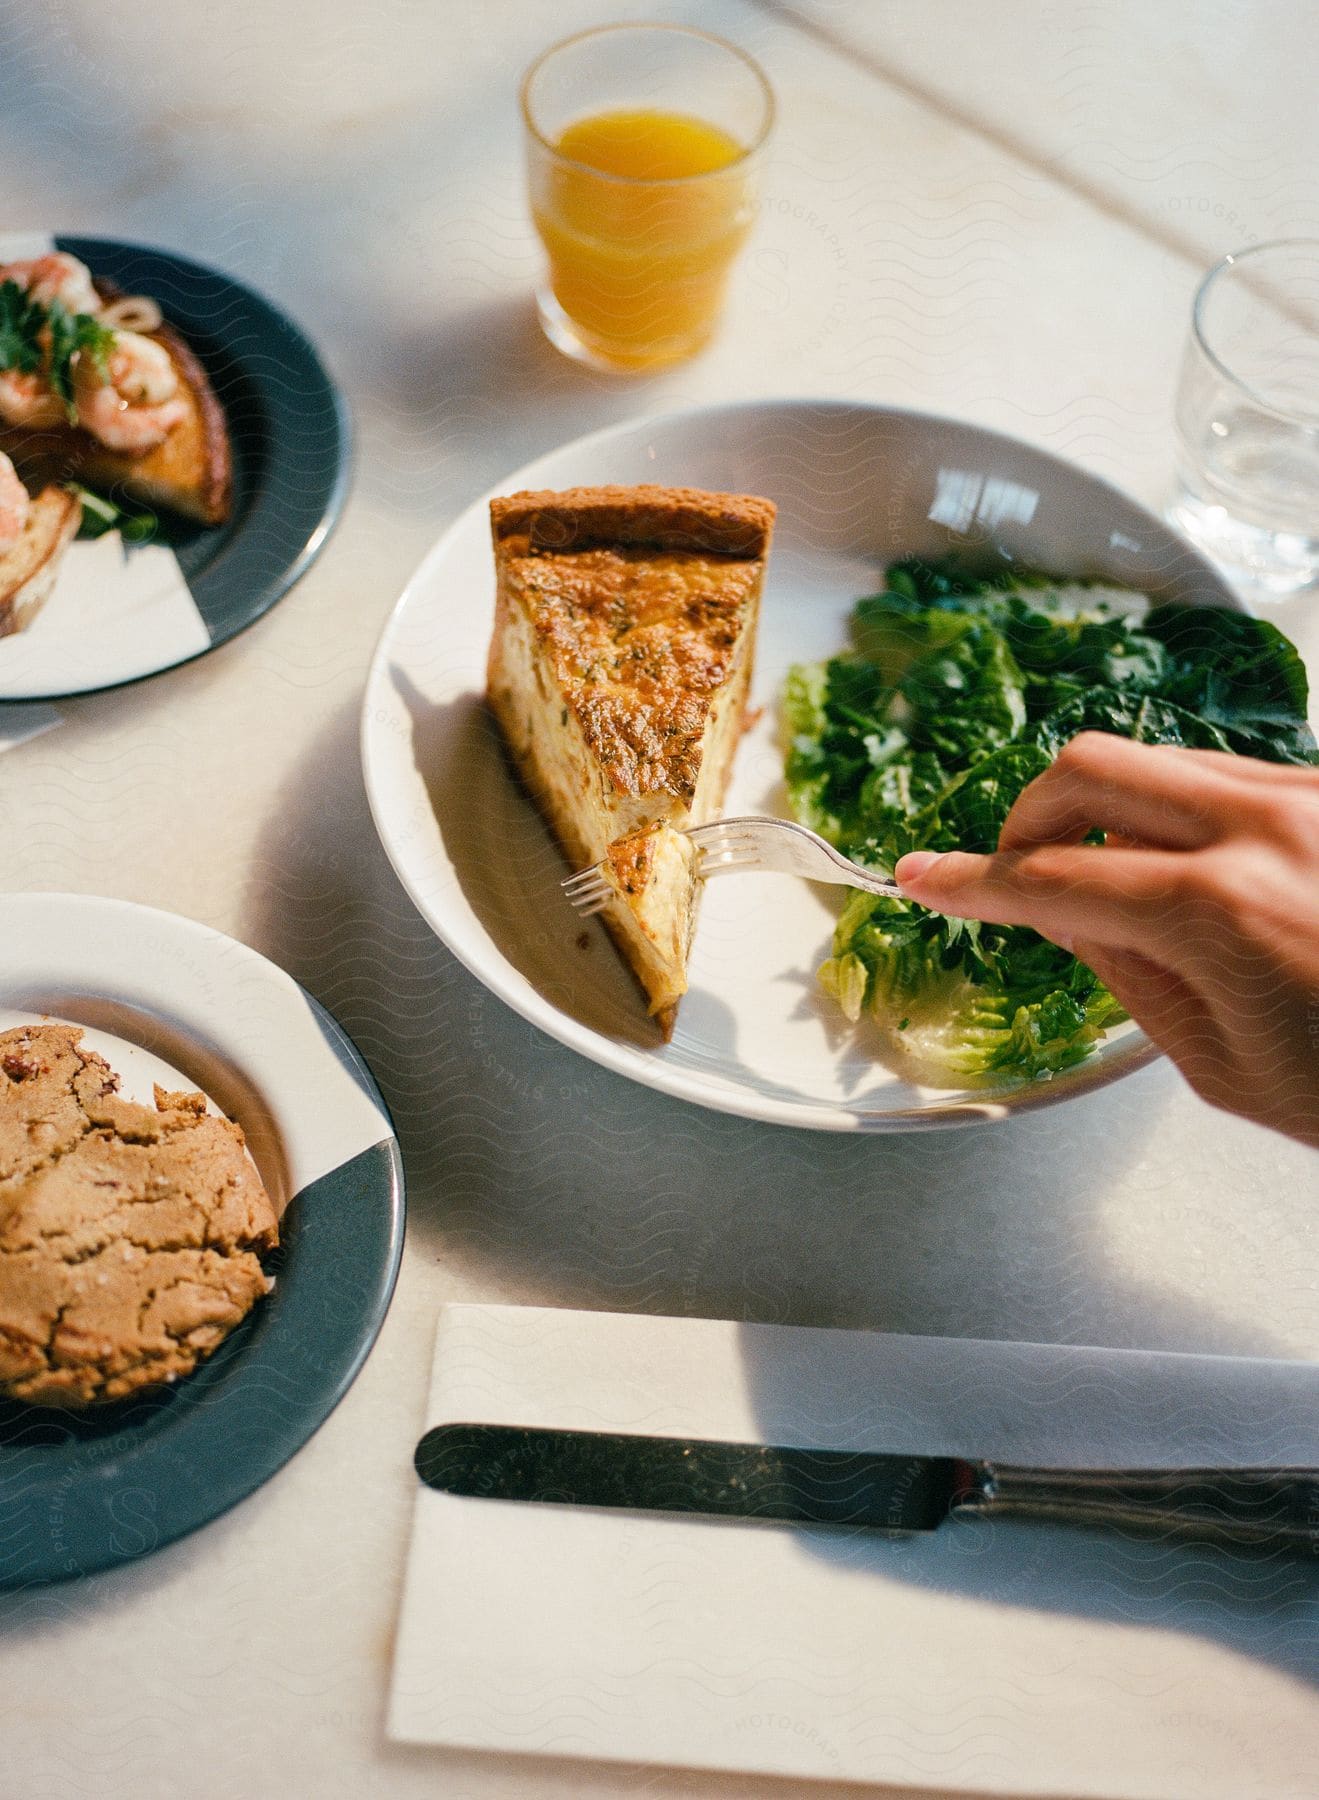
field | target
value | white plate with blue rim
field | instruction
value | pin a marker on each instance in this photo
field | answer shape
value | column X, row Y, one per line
column 166, row 999
column 122, row 611
column 857, row 486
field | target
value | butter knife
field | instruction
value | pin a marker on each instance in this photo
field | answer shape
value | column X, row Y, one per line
column 1273, row 1508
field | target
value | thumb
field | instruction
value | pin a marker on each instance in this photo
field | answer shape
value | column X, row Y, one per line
column 951, row 881
column 963, row 886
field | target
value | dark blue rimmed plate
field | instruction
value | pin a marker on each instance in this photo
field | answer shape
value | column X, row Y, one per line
column 121, row 613
column 83, row 1492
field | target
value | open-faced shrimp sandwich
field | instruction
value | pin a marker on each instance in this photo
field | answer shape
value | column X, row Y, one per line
column 98, row 389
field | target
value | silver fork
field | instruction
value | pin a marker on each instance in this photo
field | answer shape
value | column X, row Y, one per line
column 749, row 846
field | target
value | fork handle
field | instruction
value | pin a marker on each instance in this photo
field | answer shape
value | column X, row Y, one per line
column 850, row 874
column 857, row 877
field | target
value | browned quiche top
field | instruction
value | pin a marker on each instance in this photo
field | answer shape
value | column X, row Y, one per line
column 639, row 598
column 130, row 1236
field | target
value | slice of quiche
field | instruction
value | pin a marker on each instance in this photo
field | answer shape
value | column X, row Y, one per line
column 625, row 621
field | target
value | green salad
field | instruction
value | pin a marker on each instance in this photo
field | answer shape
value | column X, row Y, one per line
column 960, row 688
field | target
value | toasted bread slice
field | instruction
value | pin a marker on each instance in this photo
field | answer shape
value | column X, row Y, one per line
column 190, row 473
column 625, row 626
column 28, row 567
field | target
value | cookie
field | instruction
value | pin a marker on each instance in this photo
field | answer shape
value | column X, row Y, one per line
column 130, row 1237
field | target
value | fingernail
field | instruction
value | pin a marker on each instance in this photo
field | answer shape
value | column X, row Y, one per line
column 915, row 864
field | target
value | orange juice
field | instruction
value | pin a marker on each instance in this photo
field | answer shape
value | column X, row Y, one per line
column 642, row 213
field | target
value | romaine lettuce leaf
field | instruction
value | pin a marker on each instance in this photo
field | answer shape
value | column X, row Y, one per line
column 1241, row 676
column 1144, row 717
column 966, row 696
column 1030, row 1014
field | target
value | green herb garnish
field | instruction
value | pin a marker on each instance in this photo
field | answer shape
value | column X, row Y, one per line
column 136, row 525
column 73, row 334
column 34, row 337
column 961, row 689
column 21, row 320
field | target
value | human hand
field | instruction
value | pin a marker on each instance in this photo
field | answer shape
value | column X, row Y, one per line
column 1200, row 912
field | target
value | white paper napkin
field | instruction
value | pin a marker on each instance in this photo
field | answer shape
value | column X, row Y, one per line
column 999, row 1659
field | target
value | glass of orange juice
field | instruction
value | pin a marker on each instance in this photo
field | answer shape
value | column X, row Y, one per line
column 644, row 145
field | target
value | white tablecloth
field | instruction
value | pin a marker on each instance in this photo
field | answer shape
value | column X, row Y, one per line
column 998, row 212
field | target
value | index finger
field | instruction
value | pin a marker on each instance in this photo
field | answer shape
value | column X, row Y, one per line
column 1144, row 792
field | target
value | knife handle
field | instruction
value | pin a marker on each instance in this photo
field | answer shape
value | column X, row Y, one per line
column 1270, row 1507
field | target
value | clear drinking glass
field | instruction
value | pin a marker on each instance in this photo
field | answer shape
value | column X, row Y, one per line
column 643, row 154
column 1248, row 418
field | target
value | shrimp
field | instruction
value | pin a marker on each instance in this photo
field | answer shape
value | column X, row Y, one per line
column 27, row 398
column 14, row 504
column 29, row 401
column 56, row 276
column 138, row 406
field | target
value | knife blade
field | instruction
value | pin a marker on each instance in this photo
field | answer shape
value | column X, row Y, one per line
column 1277, row 1508
column 690, row 1475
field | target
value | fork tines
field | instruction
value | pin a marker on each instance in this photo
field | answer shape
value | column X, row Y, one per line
column 587, row 890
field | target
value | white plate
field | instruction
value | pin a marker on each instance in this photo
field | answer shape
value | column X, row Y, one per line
column 856, row 487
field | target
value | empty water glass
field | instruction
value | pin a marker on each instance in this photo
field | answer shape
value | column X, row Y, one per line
column 1248, row 419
